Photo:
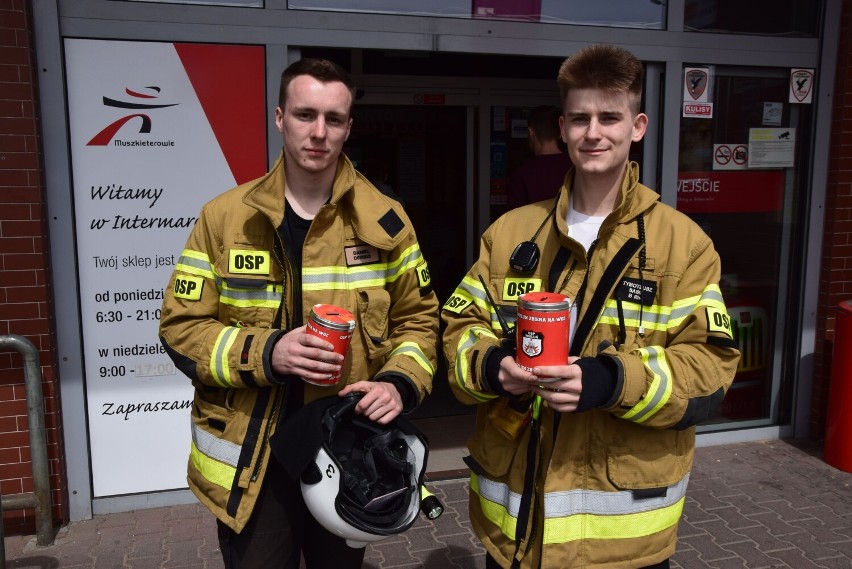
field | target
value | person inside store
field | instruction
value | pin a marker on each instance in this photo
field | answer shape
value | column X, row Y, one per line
column 311, row 231
column 586, row 464
column 541, row 175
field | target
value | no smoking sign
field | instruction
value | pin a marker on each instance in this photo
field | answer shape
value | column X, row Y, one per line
column 730, row 156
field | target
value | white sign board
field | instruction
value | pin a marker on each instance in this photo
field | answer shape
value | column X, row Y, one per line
column 151, row 127
column 801, row 86
column 697, row 84
column 771, row 147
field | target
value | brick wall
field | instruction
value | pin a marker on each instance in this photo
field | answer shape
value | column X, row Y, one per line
column 25, row 293
column 836, row 271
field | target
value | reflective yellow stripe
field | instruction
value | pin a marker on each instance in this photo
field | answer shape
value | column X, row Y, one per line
column 661, row 318
column 658, row 393
column 267, row 297
column 413, row 351
column 195, row 263
column 409, row 259
column 653, row 317
column 219, row 367
column 472, row 288
column 212, row 470
column 466, row 343
column 496, row 512
column 364, row 276
column 624, row 526
column 584, row 514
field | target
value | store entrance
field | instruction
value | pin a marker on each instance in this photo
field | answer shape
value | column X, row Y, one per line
column 419, row 154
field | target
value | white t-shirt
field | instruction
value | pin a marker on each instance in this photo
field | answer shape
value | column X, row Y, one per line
column 583, row 228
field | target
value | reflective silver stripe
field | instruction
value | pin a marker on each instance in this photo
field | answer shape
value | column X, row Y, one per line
column 499, row 493
column 598, row 502
column 655, row 317
column 466, row 342
column 268, row 294
column 375, row 274
column 473, row 289
column 413, row 351
column 214, row 447
column 654, row 357
column 577, row 502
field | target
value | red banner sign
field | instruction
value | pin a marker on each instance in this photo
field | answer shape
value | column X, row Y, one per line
column 730, row 191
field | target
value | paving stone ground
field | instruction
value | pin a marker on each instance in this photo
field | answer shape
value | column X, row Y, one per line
column 759, row 505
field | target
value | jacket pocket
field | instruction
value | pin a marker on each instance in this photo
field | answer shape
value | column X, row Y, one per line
column 491, row 451
column 645, row 470
column 248, row 301
column 373, row 312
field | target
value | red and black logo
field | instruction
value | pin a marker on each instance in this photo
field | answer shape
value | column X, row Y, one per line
column 105, row 136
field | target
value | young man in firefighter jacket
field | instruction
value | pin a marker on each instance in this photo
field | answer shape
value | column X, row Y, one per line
column 590, row 469
column 312, row 231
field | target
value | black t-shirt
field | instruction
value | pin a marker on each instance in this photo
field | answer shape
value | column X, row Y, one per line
column 294, row 230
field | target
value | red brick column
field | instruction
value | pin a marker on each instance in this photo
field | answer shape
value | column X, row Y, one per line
column 25, row 286
column 836, row 271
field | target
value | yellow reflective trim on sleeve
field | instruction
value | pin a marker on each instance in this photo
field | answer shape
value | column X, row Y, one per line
column 219, row 367
column 621, row 526
column 413, row 351
column 195, row 263
column 409, row 259
column 466, row 343
column 660, row 389
column 212, row 470
column 472, row 288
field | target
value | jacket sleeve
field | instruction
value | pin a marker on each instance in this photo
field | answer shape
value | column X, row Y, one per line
column 680, row 376
column 203, row 348
column 412, row 318
column 472, row 331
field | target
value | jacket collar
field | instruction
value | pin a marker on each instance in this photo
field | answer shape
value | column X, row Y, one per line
column 633, row 199
column 365, row 205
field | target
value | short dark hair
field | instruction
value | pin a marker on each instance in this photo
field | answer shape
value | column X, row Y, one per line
column 603, row 67
column 320, row 69
column 544, row 121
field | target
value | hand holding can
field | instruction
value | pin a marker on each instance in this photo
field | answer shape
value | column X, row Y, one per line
column 334, row 325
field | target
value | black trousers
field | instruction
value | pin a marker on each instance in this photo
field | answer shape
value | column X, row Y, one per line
column 281, row 529
column 491, row 564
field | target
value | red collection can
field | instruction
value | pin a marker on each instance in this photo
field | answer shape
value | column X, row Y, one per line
column 335, row 325
column 544, row 329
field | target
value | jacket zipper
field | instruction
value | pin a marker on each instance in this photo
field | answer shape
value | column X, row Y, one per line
column 276, row 405
column 279, row 391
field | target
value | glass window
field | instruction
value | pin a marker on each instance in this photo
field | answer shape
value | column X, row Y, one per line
column 792, row 18
column 648, row 14
column 742, row 174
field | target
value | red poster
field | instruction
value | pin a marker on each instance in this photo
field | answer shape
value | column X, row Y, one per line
column 736, row 191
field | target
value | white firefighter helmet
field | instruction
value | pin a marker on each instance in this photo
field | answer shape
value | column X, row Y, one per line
column 364, row 482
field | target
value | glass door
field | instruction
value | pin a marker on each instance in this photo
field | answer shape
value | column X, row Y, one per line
column 742, row 174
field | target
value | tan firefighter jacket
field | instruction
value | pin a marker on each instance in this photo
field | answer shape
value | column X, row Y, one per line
column 603, row 487
column 231, row 297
